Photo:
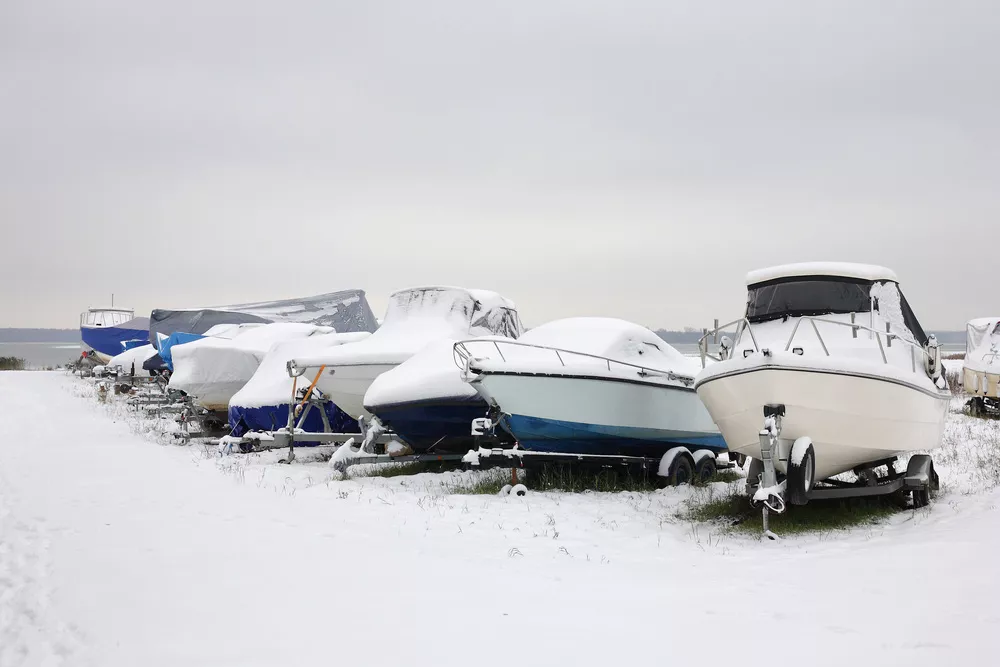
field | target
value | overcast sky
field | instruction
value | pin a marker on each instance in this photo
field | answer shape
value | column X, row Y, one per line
column 583, row 158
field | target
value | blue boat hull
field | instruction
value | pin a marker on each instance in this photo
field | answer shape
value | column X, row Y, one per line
column 270, row 417
column 109, row 341
column 550, row 435
column 437, row 426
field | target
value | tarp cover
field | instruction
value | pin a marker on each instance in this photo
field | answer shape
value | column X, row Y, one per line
column 418, row 316
column 213, row 368
column 262, row 403
column 982, row 345
column 345, row 311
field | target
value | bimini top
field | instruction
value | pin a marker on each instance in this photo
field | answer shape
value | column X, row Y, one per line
column 867, row 272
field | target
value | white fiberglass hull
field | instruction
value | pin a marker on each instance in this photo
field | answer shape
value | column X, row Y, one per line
column 346, row 385
column 852, row 416
column 598, row 415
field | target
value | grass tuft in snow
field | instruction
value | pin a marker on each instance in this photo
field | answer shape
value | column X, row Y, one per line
column 12, row 364
column 732, row 508
column 400, row 469
column 485, row 483
column 576, row 479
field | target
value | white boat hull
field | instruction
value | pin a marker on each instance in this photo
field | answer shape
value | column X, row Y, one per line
column 598, row 415
column 851, row 417
column 346, row 385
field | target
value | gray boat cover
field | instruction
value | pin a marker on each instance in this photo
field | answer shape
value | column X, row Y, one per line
column 346, row 311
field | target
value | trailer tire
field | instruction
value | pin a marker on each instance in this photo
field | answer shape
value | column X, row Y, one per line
column 754, row 472
column 704, row 470
column 681, row 470
column 801, row 475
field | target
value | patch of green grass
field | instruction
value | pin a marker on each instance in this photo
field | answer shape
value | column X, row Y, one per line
column 576, row 478
column 400, row 469
column 733, row 509
column 12, row 364
column 729, row 476
column 487, row 483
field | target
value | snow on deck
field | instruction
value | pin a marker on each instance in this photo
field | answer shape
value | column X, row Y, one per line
column 116, row 550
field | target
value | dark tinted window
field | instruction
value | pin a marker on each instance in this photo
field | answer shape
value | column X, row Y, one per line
column 817, row 296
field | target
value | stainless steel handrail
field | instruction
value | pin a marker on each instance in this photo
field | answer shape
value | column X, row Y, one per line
column 744, row 325
column 463, row 357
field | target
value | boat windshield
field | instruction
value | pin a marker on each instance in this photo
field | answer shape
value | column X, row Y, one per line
column 820, row 295
column 807, row 296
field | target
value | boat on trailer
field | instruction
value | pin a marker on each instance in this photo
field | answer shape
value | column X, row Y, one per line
column 596, row 389
column 425, row 402
column 111, row 331
column 981, row 368
column 414, row 318
column 828, row 372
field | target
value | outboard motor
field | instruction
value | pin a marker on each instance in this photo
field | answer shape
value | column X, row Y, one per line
column 933, row 362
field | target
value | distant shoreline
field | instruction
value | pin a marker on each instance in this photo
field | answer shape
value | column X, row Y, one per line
column 24, row 335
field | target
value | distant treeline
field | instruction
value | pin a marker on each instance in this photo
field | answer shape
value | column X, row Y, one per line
column 39, row 335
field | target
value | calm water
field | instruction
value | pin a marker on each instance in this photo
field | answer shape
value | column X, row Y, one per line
column 40, row 355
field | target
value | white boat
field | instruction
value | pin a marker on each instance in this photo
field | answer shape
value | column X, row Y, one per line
column 213, row 368
column 592, row 386
column 981, row 368
column 414, row 318
column 831, row 369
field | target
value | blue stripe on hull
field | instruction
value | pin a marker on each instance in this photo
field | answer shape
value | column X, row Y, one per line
column 108, row 340
column 441, row 426
column 270, row 417
column 551, row 435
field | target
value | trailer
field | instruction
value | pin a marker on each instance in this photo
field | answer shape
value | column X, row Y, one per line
column 772, row 492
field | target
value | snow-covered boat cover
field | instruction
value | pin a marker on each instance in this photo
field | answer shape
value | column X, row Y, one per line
column 982, row 345
column 271, row 384
column 137, row 355
column 212, row 369
column 421, row 315
column 430, row 374
column 344, row 311
column 869, row 272
column 602, row 337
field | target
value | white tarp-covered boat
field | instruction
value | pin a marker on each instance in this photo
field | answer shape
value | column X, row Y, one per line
column 981, row 368
column 413, row 319
column 425, row 401
column 262, row 403
column 212, row 369
column 131, row 360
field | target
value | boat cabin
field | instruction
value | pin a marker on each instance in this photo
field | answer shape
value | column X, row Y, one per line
column 105, row 317
column 870, row 293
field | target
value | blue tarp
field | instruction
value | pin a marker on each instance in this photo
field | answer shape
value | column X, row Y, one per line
column 108, row 340
column 163, row 345
column 268, row 418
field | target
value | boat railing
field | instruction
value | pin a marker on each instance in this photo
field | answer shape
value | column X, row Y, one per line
column 743, row 324
column 463, row 355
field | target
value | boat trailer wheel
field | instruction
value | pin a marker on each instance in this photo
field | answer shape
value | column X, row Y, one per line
column 681, row 470
column 801, row 475
column 704, row 470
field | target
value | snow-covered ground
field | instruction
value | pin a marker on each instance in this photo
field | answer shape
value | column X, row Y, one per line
column 117, row 550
